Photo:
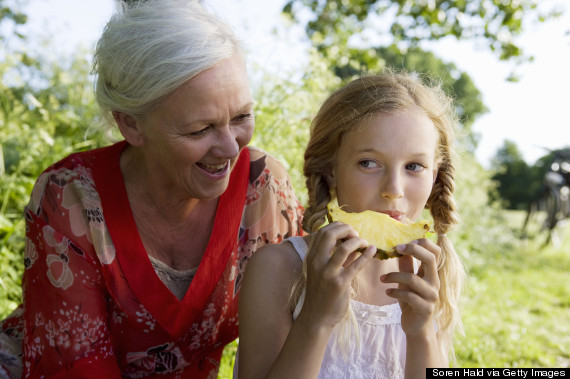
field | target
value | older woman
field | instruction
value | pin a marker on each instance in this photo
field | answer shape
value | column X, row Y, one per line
column 135, row 252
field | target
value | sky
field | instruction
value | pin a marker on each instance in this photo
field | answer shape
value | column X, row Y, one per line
column 532, row 112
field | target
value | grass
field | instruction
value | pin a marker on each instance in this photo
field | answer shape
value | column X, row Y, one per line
column 515, row 308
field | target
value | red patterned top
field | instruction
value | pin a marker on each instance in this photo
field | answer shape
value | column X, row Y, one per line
column 93, row 305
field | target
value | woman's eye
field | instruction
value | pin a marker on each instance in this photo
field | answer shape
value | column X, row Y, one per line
column 200, row 132
column 243, row 117
column 368, row 163
column 415, row 167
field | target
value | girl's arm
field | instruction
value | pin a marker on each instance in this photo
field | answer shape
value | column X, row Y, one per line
column 271, row 343
column 418, row 296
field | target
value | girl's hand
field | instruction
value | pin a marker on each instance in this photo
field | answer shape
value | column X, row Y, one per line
column 332, row 264
column 417, row 293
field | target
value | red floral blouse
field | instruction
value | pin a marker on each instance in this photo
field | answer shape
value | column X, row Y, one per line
column 93, row 305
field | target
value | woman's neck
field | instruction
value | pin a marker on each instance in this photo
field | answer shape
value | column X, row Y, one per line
column 173, row 229
column 146, row 189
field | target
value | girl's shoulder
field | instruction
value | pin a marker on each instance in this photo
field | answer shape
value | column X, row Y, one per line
column 276, row 257
column 269, row 278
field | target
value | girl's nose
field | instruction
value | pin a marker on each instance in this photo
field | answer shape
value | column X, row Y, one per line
column 392, row 187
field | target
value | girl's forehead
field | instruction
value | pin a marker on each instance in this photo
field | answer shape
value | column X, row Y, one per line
column 393, row 133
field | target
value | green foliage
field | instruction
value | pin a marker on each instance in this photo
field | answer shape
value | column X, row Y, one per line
column 283, row 114
column 9, row 14
column 228, row 360
column 46, row 110
column 517, row 183
column 495, row 23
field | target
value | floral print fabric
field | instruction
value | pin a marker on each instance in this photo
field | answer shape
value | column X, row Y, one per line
column 92, row 301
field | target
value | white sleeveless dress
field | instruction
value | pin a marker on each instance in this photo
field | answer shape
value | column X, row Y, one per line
column 381, row 353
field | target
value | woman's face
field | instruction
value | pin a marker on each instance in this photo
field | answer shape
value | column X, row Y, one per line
column 193, row 139
column 388, row 165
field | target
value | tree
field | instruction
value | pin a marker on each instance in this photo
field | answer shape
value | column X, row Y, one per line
column 9, row 13
column 495, row 23
column 516, row 183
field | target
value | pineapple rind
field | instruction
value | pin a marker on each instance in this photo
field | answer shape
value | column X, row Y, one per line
column 368, row 223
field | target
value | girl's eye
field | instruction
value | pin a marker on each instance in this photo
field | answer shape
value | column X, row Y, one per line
column 415, row 167
column 368, row 163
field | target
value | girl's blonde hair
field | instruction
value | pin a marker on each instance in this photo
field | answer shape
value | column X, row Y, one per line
column 343, row 112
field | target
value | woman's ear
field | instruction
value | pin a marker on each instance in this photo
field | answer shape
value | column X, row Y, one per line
column 129, row 127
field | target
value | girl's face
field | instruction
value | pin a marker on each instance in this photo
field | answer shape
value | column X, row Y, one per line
column 194, row 137
column 388, row 165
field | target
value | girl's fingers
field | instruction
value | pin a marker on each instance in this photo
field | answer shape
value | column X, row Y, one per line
column 412, row 283
column 342, row 252
column 327, row 238
column 427, row 252
column 414, row 300
column 351, row 270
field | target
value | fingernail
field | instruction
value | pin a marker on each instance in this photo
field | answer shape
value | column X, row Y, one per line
column 415, row 242
column 401, row 247
column 382, row 277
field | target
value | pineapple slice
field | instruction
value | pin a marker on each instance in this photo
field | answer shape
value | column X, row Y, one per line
column 379, row 229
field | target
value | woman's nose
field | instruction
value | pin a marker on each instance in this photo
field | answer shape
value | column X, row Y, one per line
column 227, row 144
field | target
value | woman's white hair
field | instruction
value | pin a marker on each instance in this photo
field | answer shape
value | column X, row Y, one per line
column 149, row 48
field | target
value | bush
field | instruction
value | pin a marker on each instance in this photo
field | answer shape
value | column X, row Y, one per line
column 45, row 114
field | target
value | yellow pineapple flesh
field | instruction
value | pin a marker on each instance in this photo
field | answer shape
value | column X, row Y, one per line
column 379, row 229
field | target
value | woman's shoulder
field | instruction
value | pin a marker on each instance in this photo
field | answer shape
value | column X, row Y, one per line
column 262, row 161
column 106, row 154
column 70, row 180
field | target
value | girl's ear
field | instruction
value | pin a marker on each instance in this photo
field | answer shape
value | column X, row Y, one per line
column 130, row 128
column 435, row 173
column 330, row 178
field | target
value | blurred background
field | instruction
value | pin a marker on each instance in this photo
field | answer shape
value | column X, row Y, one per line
column 504, row 61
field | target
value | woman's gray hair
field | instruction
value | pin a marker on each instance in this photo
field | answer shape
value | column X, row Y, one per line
column 150, row 48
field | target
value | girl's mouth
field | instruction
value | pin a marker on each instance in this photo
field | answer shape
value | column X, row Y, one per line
column 399, row 216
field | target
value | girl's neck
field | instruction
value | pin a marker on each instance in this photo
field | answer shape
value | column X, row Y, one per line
column 368, row 287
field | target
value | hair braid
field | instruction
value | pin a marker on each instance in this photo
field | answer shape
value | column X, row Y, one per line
column 319, row 197
column 441, row 202
column 450, row 269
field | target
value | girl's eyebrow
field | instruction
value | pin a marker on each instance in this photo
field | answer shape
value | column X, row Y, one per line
column 374, row 150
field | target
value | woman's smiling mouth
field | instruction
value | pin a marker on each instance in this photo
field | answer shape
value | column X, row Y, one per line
column 216, row 170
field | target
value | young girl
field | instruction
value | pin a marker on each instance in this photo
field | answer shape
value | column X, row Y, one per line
column 314, row 306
